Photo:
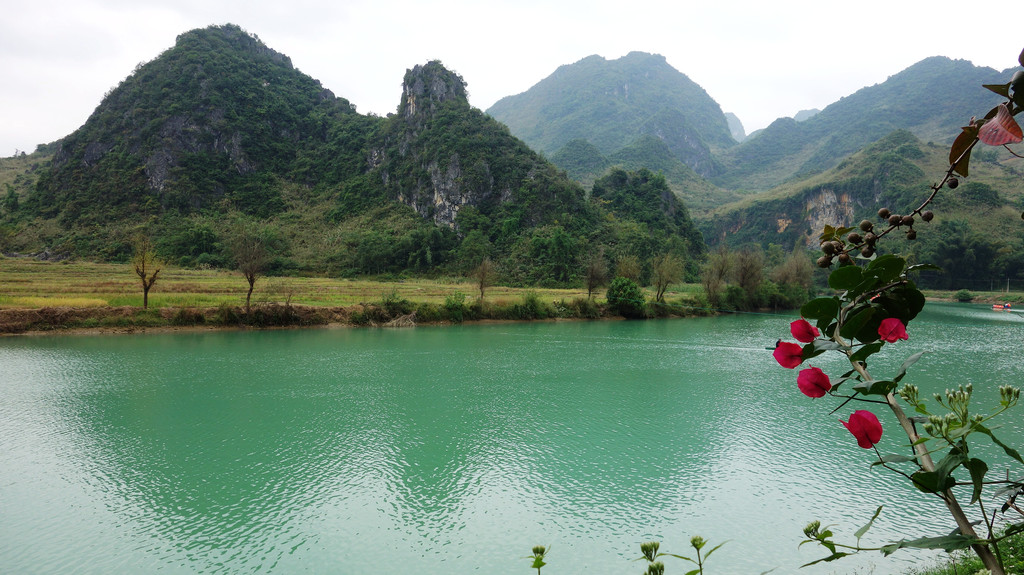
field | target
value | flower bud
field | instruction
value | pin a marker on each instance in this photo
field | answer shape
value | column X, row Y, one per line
column 539, row 551
column 811, row 531
column 697, row 542
column 656, row 568
column 909, row 393
column 650, row 549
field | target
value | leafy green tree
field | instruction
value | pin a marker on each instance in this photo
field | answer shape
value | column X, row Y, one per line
column 626, row 297
column 667, row 269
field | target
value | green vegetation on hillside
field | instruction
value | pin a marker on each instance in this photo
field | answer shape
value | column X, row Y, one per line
column 893, row 172
column 932, row 99
column 220, row 133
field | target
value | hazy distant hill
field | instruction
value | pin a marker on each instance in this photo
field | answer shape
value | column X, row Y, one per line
column 976, row 232
column 221, row 131
column 735, row 127
column 931, row 99
column 612, row 103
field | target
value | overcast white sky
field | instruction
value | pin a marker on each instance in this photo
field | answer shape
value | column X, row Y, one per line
column 759, row 59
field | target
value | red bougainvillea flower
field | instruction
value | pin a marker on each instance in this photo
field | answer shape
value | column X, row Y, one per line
column 892, row 329
column 803, row 331
column 789, row 355
column 813, row 382
column 865, row 427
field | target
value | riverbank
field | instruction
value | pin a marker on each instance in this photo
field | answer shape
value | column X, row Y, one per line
column 38, row 296
column 43, row 297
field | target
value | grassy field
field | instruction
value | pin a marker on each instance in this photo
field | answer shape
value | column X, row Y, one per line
column 28, row 283
column 42, row 296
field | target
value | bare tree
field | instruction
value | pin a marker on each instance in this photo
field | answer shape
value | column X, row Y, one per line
column 483, row 276
column 251, row 257
column 595, row 271
column 796, row 270
column 714, row 275
column 146, row 264
column 667, row 269
column 748, row 271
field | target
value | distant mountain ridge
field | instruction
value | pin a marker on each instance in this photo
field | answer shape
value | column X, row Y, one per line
column 931, row 99
column 612, row 103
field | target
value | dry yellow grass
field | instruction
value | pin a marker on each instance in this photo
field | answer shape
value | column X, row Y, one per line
column 27, row 283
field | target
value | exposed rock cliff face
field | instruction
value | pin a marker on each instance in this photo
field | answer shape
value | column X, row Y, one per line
column 826, row 208
column 434, row 101
column 425, row 87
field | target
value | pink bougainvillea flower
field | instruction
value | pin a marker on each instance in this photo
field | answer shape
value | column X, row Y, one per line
column 803, row 331
column 813, row 382
column 892, row 329
column 789, row 355
column 865, row 427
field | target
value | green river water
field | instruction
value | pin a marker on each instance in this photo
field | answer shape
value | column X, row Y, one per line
column 455, row 449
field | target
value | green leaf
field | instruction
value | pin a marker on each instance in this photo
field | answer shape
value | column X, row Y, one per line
column 906, row 365
column 903, row 302
column 860, row 532
column 1001, row 89
column 856, row 320
column 947, row 543
column 932, row 482
column 867, row 351
column 715, row 549
column 845, row 278
column 677, row 556
column 875, row 387
column 822, row 308
column 887, row 268
column 831, row 557
column 1009, row 450
column 921, row 267
column 818, row 347
column 978, row 469
column 693, row 572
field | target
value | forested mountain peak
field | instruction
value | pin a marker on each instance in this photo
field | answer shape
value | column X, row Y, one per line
column 931, row 98
column 207, row 121
column 611, row 103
